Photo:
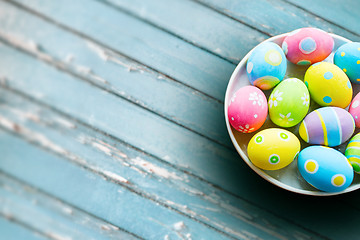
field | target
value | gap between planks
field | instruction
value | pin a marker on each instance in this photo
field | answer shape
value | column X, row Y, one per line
column 90, row 39
column 46, row 145
column 69, row 208
column 33, row 51
column 118, row 8
column 25, row 225
column 219, row 10
column 320, row 17
column 11, row 128
column 16, row 130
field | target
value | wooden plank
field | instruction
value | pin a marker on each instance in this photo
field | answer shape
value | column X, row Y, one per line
column 345, row 13
column 13, row 231
column 122, row 119
column 140, row 173
column 215, row 164
column 202, row 27
column 96, row 195
column 277, row 16
column 155, row 48
column 50, row 217
column 115, row 73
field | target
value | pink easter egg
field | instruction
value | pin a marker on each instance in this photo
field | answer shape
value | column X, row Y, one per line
column 306, row 46
column 247, row 109
column 354, row 109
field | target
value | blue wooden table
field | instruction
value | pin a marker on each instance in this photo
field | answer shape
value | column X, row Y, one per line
column 112, row 123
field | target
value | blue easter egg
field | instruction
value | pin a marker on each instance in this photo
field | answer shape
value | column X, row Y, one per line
column 266, row 66
column 325, row 168
column 347, row 57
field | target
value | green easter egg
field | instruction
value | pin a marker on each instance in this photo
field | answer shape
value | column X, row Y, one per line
column 289, row 102
column 352, row 152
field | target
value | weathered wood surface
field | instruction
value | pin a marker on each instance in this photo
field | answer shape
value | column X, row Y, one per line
column 112, row 126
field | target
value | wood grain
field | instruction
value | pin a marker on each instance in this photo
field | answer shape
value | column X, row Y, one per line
column 50, row 217
column 278, row 16
column 135, row 171
column 114, row 110
column 11, row 230
column 114, row 73
column 343, row 14
column 140, row 41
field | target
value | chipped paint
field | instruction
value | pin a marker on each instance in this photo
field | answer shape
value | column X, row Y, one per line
column 179, row 226
column 31, row 136
column 83, row 69
column 101, row 52
column 102, row 148
column 57, row 236
column 115, row 176
column 108, row 55
column 105, row 227
column 65, row 122
column 69, row 58
column 22, row 114
column 25, row 44
column 151, row 168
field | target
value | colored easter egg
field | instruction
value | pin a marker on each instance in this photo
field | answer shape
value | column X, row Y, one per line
column 328, row 85
column 266, row 65
column 247, row 109
column 289, row 102
column 273, row 148
column 329, row 126
column 347, row 58
column 352, row 152
column 354, row 109
column 325, row 168
column 306, row 46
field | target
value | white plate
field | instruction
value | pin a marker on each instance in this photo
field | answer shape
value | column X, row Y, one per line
column 288, row 178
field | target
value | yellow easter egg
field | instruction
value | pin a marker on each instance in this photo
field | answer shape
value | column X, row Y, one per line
column 273, row 148
column 328, row 85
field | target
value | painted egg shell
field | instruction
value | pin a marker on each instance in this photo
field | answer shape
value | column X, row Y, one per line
column 273, row 148
column 247, row 109
column 266, row 65
column 352, row 152
column 289, row 102
column 329, row 126
column 347, row 57
column 306, row 46
column 325, row 168
column 354, row 109
column 328, row 85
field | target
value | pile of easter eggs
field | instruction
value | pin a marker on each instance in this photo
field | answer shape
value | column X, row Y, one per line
column 326, row 85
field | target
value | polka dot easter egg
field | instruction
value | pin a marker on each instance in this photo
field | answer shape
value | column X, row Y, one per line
column 273, row 148
column 328, row 85
column 347, row 58
column 325, row 168
column 289, row 102
column 329, row 126
column 306, row 46
column 354, row 109
column 266, row 65
column 247, row 110
column 352, row 152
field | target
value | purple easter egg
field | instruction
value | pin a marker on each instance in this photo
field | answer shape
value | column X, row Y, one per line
column 328, row 126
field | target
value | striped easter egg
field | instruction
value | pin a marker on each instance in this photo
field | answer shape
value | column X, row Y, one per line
column 352, row 152
column 329, row 126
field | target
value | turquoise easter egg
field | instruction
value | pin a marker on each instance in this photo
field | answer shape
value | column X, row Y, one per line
column 347, row 57
column 325, row 168
column 266, row 65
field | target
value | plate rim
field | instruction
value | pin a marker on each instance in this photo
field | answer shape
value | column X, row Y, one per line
column 243, row 155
